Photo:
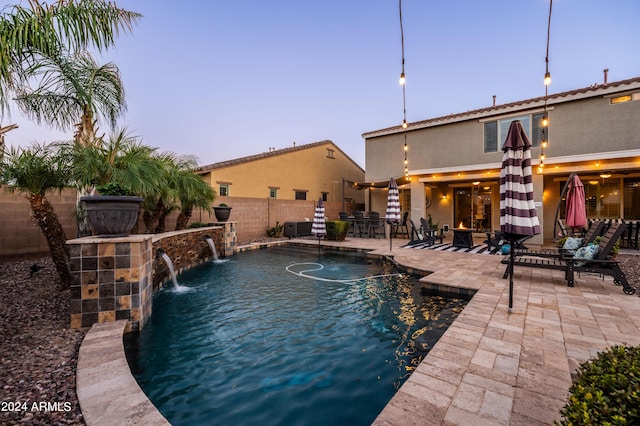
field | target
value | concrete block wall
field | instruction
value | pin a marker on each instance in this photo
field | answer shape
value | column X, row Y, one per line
column 19, row 234
column 20, row 237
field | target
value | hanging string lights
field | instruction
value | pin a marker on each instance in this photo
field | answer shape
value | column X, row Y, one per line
column 402, row 82
column 547, row 81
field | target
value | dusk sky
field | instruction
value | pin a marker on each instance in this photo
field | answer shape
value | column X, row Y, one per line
column 227, row 79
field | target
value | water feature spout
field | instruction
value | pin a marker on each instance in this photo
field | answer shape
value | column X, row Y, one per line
column 212, row 245
column 172, row 271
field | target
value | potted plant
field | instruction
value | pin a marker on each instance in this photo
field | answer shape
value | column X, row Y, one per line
column 222, row 212
column 112, row 213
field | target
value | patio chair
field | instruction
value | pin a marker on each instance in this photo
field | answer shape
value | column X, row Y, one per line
column 426, row 229
column 601, row 263
column 376, row 225
column 402, row 227
column 420, row 237
column 360, row 225
column 345, row 217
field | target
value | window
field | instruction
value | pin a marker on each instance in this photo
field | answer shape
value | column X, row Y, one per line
column 273, row 193
column 495, row 132
column 330, row 153
column 325, row 195
column 301, row 195
column 632, row 199
column 223, row 190
column 622, row 99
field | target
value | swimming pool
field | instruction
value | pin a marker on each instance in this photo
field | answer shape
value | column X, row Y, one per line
column 286, row 336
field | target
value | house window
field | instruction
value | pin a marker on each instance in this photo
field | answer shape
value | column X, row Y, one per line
column 325, row 195
column 273, row 193
column 495, row 132
column 301, row 195
column 223, row 190
column 330, row 153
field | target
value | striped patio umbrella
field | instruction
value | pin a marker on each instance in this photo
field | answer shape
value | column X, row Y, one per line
column 518, row 217
column 318, row 227
column 576, row 211
column 392, row 215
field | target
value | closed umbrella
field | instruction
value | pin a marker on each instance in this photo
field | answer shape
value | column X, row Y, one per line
column 318, row 227
column 576, row 206
column 518, row 217
column 393, row 207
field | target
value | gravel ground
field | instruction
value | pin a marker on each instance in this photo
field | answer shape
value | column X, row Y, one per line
column 39, row 352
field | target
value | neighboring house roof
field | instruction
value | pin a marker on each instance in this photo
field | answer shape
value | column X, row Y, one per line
column 274, row 153
column 572, row 95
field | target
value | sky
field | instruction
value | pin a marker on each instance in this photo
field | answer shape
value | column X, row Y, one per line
column 226, row 79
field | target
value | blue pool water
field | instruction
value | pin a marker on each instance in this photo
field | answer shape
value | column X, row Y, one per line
column 286, row 337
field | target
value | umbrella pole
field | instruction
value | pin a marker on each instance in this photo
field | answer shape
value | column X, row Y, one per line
column 511, row 262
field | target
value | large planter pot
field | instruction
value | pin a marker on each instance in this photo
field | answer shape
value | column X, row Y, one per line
column 112, row 215
column 222, row 213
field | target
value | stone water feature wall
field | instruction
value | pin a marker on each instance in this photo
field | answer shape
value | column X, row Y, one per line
column 114, row 278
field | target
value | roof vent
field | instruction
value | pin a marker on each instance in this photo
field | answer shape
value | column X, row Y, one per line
column 606, row 76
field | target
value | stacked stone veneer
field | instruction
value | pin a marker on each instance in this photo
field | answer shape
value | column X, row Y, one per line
column 114, row 278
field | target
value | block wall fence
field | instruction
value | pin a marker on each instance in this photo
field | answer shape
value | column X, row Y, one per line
column 20, row 237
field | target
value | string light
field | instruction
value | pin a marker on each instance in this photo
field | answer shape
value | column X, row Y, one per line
column 547, row 81
column 402, row 82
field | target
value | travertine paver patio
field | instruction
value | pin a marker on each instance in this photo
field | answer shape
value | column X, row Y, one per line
column 491, row 367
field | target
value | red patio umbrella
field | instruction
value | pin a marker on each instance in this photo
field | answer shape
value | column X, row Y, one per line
column 576, row 215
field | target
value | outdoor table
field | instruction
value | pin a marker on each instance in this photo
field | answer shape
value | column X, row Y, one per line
column 463, row 237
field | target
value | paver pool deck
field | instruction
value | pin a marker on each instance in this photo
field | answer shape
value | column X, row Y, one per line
column 492, row 366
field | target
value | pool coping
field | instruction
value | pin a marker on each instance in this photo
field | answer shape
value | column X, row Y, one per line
column 491, row 366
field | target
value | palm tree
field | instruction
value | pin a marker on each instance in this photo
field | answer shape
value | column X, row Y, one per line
column 35, row 171
column 193, row 192
column 123, row 159
column 72, row 90
column 28, row 33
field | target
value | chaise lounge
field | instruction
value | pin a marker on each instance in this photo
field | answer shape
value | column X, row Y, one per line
column 599, row 263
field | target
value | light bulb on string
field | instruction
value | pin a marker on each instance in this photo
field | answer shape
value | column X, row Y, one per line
column 547, row 78
column 402, row 79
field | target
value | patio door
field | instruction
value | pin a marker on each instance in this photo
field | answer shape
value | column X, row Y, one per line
column 472, row 207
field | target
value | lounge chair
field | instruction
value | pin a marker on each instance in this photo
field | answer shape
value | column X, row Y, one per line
column 600, row 264
column 568, row 250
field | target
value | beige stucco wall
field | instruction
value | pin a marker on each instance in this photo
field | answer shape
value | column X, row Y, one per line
column 309, row 169
column 587, row 134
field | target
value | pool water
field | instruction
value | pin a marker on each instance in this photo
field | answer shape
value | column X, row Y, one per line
column 286, row 337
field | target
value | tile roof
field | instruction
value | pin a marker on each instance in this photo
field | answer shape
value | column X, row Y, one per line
column 274, row 153
column 593, row 90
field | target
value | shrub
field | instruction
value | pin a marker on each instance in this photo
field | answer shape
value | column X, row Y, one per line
column 337, row 229
column 614, row 250
column 113, row 189
column 607, row 390
column 275, row 231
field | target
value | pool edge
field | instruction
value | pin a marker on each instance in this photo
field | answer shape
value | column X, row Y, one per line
column 107, row 391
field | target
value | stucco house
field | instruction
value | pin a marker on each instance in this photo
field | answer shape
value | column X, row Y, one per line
column 455, row 160
column 298, row 172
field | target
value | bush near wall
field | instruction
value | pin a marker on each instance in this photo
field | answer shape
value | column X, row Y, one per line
column 607, row 390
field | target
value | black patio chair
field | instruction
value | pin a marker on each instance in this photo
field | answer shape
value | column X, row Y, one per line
column 402, row 226
column 376, row 225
